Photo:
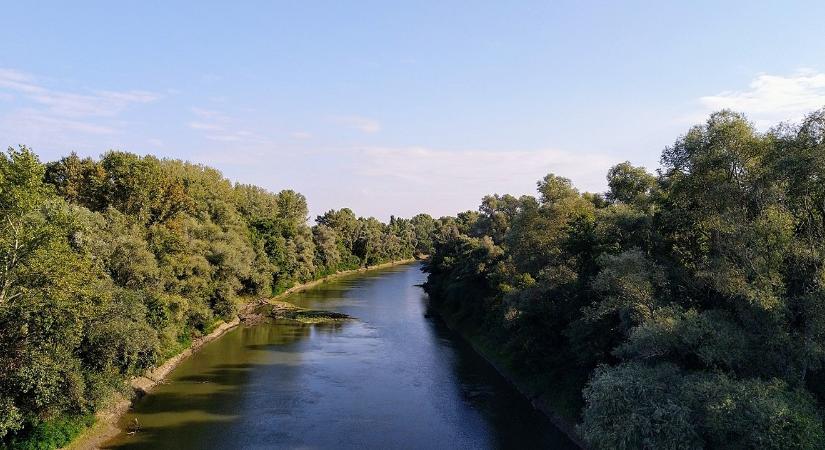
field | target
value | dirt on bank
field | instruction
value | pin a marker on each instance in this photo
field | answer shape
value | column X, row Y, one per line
column 106, row 424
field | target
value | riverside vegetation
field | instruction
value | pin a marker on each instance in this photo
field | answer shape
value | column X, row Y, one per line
column 679, row 310
column 109, row 267
column 683, row 310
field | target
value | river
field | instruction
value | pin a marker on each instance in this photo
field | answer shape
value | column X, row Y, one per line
column 390, row 379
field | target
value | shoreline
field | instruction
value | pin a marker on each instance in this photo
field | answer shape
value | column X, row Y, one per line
column 313, row 283
column 536, row 400
column 105, row 426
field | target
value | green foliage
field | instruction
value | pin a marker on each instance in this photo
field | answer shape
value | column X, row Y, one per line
column 635, row 407
column 663, row 407
column 424, row 227
column 629, row 184
column 696, row 299
column 629, row 286
column 51, row 434
column 363, row 242
column 109, row 267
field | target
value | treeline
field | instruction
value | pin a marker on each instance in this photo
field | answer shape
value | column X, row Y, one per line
column 688, row 308
column 108, row 267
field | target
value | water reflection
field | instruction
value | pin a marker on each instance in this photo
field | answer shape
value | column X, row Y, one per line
column 391, row 379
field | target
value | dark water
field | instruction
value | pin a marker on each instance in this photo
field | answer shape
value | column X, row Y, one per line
column 391, row 379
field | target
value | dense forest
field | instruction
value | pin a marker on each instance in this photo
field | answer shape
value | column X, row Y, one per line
column 684, row 309
column 679, row 310
column 108, row 267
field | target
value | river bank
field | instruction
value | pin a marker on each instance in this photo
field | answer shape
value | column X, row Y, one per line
column 105, row 426
column 390, row 379
column 537, row 394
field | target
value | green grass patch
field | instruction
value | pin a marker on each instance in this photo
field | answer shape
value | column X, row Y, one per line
column 317, row 316
column 50, row 434
column 286, row 310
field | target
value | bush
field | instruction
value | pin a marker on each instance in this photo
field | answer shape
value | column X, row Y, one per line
column 664, row 407
column 52, row 434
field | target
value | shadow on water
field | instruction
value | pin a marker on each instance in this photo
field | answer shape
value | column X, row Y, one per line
column 391, row 379
column 513, row 418
column 204, row 393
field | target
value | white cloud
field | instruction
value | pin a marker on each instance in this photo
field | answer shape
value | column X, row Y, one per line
column 29, row 122
column 237, row 136
column 494, row 168
column 219, row 127
column 410, row 179
column 403, row 181
column 52, row 117
column 17, row 81
column 364, row 124
column 205, row 126
column 227, row 137
column 770, row 99
column 208, row 114
column 71, row 104
column 301, row 135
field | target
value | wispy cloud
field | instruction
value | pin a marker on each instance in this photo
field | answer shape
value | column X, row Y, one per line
column 47, row 115
column 301, row 135
column 503, row 171
column 235, row 136
column 364, row 124
column 220, row 127
column 31, row 122
column 770, row 99
column 71, row 104
column 205, row 126
column 406, row 180
column 210, row 114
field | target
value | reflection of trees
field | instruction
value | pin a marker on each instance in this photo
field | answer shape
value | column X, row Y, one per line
column 514, row 421
column 205, row 395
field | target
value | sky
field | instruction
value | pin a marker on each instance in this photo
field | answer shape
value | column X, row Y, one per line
column 396, row 108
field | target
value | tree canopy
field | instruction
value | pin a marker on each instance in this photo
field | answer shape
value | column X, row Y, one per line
column 110, row 266
column 689, row 304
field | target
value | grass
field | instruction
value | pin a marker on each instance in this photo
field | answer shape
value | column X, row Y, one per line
column 51, row 434
column 285, row 310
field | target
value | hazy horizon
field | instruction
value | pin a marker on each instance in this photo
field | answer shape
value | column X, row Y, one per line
column 399, row 109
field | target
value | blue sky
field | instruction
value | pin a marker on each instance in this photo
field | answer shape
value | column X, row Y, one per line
column 399, row 107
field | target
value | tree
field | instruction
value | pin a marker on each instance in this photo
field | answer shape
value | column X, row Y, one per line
column 693, row 299
column 46, row 297
column 636, row 406
column 24, row 228
column 109, row 266
column 627, row 183
column 424, row 227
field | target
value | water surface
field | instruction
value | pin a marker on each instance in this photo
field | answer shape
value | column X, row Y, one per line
column 391, row 379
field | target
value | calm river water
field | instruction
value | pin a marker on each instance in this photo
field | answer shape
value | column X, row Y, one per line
column 391, row 379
